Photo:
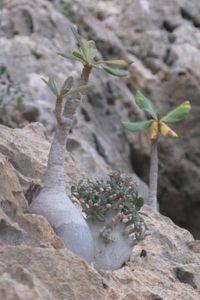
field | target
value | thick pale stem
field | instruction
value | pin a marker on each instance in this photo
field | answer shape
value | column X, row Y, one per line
column 153, row 176
column 55, row 175
column 85, row 75
column 53, row 202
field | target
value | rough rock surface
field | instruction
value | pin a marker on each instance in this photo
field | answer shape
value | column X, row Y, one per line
column 163, row 42
column 165, row 265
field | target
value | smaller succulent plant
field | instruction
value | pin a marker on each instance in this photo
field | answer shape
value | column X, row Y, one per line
column 62, row 90
column 118, row 194
column 156, row 127
column 87, row 53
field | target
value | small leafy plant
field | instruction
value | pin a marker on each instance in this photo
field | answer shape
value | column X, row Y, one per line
column 87, row 53
column 112, row 208
column 117, row 193
column 155, row 128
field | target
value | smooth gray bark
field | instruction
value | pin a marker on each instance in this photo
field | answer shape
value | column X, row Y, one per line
column 53, row 202
column 113, row 246
column 153, row 176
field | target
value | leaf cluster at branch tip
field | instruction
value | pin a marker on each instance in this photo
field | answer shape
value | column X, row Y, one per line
column 118, row 194
column 87, row 54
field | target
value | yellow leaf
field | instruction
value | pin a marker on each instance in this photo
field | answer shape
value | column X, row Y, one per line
column 153, row 130
column 117, row 62
column 166, row 131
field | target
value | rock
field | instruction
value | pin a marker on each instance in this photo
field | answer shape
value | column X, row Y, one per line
column 164, row 265
column 166, row 253
column 168, row 270
column 15, row 226
column 155, row 36
column 37, row 273
column 29, row 42
column 26, row 167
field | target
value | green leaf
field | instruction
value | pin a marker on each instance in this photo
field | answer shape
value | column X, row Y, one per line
column 79, row 56
column 116, row 62
column 98, row 67
column 128, row 205
column 68, row 56
column 115, row 72
column 79, row 41
column 137, row 126
column 73, row 189
column 99, row 216
column 91, row 53
column 77, row 36
column 71, row 57
column 52, row 85
column 83, row 51
column 68, row 83
column 178, row 114
column 139, row 203
column 145, row 104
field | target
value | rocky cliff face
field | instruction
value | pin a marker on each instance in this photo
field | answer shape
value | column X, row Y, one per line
column 34, row 264
column 163, row 42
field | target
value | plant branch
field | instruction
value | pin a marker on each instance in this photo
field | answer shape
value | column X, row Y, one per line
column 73, row 102
column 58, row 110
column 153, row 176
column 85, row 75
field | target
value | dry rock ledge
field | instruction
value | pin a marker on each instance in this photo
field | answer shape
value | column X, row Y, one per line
column 34, row 264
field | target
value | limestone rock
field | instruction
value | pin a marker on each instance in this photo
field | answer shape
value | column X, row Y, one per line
column 163, row 41
column 164, row 253
column 165, row 265
column 25, row 163
column 36, row 273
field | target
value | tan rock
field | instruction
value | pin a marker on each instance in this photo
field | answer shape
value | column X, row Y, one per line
column 36, row 273
column 165, row 265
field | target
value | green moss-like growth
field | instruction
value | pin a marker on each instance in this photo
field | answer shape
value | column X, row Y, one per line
column 67, row 10
column 116, row 194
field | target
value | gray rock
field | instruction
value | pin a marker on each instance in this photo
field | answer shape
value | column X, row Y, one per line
column 163, row 42
column 33, row 263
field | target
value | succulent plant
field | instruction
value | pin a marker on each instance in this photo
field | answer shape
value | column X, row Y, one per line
column 63, row 89
column 52, row 201
column 155, row 127
column 116, row 194
column 87, row 53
